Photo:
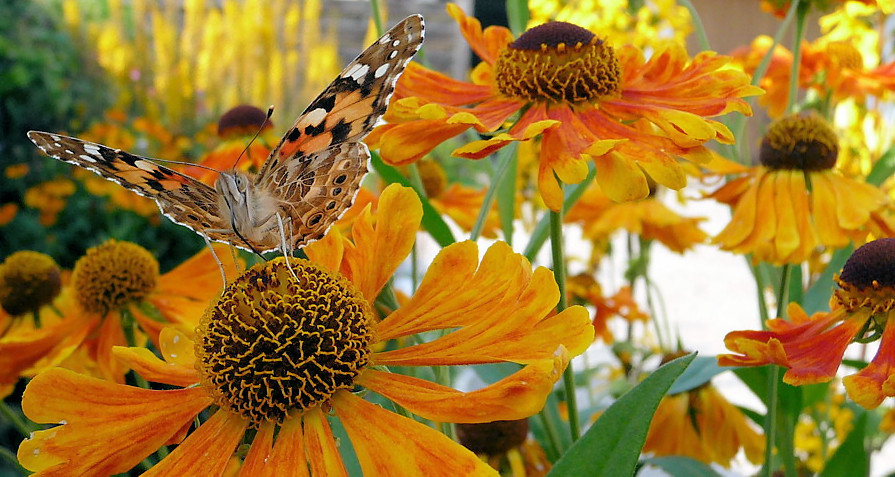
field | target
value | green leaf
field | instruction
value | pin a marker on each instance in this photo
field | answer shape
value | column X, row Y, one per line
column 817, row 298
column 883, row 169
column 432, row 221
column 679, row 466
column 851, row 458
column 703, row 369
column 612, row 445
column 517, row 15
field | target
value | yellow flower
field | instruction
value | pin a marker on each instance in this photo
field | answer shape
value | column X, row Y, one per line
column 50, row 198
column 587, row 100
column 703, row 425
column 283, row 355
column 778, row 219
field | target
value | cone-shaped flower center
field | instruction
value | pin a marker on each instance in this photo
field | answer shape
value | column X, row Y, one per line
column 242, row 119
column 799, row 142
column 867, row 279
column 845, row 55
column 273, row 344
column 493, row 438
column 28, row 281
column 113, row 274
column 558, row 61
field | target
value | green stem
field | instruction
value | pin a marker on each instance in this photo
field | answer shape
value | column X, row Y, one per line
column 504, row 159
column 801, row 14
column 550, row 430
column 697, row 24
column 129, row 326
column 770, row 425
column 35, row 315
column 15, row 419
column 377, row 16
column 559, row 273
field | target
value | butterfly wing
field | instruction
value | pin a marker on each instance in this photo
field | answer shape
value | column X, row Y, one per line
column 349, row 107
column 317, row 189
column 181, row 198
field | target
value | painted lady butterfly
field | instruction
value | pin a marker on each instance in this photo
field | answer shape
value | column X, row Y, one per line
column 310, row 178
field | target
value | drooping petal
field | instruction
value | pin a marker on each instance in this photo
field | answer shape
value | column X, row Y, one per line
column 517, row 396
column 875, row 382
column 207, row 450
column 108, row 428
column 378, row 250
column 323, row 455
column 389, row 444
column 147, row 365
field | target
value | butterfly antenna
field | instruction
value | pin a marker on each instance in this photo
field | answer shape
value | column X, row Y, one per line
column 257, row 133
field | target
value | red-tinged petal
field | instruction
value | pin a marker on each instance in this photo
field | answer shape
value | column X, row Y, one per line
column 207, row 450
column 875, row 382
column 488, row 44
column 323, row 454
column 108, row 427
column 146, row 364
column 621, row 179
column 377, row 251
column 483, row 148
column 402, row 144
column 430, row 85
column 517, row 396
column 389, row 444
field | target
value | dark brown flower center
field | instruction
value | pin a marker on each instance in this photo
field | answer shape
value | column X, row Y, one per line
column 867, row 279
column 28, row 281
column 493, row 438
column 558, row 61
column 242, row 119
column 803, row 142
column 273, row 344
column 113, row 274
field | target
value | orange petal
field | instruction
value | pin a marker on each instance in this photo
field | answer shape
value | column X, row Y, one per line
column 285, row 458
column 488, row 44
column 389, row 444
column 402, row 144
column 517, row 396
column 259, row 452
column 183, row 294
column 874, row 383
column 111, row 334
column 323, row 454
column 621, row 179
column 377, row 251
column 146, row 364
column 108, row 427
column 328, row 251
column 207, row 450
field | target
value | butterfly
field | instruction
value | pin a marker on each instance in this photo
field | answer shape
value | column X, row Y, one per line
column 310, row 178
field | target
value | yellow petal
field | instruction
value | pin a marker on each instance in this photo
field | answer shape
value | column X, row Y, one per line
column 323, row 455
column 389, row 444
column 517, row 396
column 621, row 179
column 146, row 364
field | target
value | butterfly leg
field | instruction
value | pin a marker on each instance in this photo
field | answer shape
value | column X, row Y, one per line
column 218, row 260
column 283, row 245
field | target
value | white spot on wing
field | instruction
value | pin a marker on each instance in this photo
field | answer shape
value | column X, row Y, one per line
column 86, row 158
column 146, row 166
column 393, row 54
column 396, row 43
column 91, row 149
column 357, row 72
column 315, row 117
column 381, row 71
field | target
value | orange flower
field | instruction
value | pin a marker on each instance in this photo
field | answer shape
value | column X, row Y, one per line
column 812, row 347
column 703, row 425
column 50, row 198
column 833, row 69
column 586, row 100
column 281, row 354
column 114, row 281
column 778, row 219
column 586, row 291
column 650, row 218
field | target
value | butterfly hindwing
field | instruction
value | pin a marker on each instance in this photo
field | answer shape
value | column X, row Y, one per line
column 349, row 107
column 183, row 199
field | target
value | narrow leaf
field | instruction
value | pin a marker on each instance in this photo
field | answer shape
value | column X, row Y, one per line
column 612, row 445
column 703, row 369
column 506, row 200
column 542, row 230
column 679, row 466
column 883, row 169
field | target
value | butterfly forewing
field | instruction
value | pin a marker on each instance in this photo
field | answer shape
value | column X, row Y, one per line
column 308, row 180
column 349, row 107
column 180, row 197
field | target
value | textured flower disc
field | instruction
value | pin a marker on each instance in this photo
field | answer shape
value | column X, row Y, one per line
column 558, row 61
column 803, row 142
column 273, row 344
column 845, row 55
column 867, row 279
column 113, row 274
column 28, row 281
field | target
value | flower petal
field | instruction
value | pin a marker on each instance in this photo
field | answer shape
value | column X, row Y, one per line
column 284, row 458
column 387, row 443
column 402, row 144
column 323, row 455
column 517, row 396
column 620, row 179
column 183, row 293
column 486, row 45
column 377, row 251
column 875, row 382
column 146, row 364
column 108, row 427
column 207, row 450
